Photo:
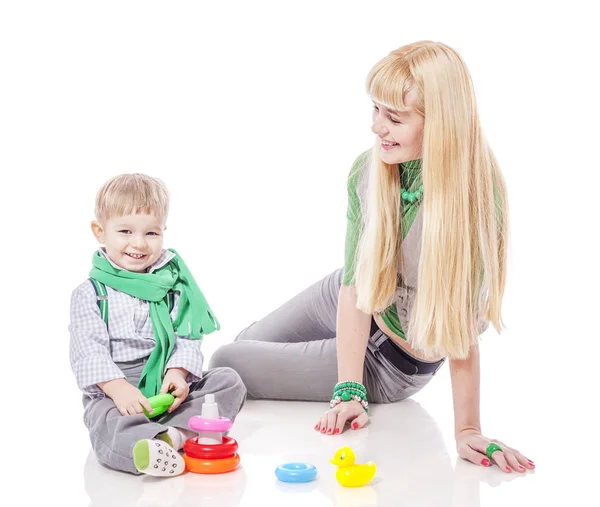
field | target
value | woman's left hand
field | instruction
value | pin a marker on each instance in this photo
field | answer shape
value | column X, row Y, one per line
column 471, row 445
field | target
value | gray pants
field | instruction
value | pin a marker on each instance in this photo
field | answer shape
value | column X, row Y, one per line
column 113, row 435
column 291, row 353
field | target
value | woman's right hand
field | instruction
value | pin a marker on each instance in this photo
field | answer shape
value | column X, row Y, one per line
column 334, row 420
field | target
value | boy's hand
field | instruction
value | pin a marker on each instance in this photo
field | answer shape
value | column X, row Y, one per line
column 128, row 399
column 174, row 383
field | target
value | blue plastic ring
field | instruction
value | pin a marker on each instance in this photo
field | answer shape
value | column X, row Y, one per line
column 296, row 472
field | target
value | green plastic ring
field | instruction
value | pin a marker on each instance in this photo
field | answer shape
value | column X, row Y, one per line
column 491, row 449
column 160, row 404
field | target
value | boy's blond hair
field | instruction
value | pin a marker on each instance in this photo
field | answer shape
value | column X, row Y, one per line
column 130, row 194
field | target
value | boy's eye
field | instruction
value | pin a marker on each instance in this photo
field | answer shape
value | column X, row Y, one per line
column 153, row 233
column 125, row 231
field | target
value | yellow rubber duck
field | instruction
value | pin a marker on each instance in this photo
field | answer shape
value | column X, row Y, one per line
column 348, row 474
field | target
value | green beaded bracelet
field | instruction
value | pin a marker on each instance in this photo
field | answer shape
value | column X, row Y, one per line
column 350, row 391
column 348, row 395
column 354, row 385
column 337, row 400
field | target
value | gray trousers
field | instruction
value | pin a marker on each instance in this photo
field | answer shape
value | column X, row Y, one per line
column 113, row 435
column 291, row 353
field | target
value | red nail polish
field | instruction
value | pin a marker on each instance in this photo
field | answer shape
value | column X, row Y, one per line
column 322, row 430
column 337, row 430
column 354, row 425
column 521, row 467
column 485, row 462
column 507, row 469
column 329, row 430
column 316, row 426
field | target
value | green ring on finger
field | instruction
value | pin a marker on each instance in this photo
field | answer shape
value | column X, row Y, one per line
column 491, row 449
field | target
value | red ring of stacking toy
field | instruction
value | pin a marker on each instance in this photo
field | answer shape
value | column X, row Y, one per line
column 208, row 466
column 210, row 451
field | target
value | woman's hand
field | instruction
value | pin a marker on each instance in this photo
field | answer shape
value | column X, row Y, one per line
column 174, row 382
column 471, row 445
column 333, row 421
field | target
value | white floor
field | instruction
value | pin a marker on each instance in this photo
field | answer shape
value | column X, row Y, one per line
column 411, row 442
column 414, row 466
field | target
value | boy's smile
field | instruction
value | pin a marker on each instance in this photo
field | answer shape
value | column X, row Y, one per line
column 133, row 242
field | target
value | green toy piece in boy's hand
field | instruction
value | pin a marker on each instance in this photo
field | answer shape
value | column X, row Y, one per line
column 160, row 404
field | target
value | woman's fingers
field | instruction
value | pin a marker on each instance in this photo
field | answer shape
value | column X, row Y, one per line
column 524, row 460
column 473, row 447
column 342, row 419
column 332, row 416
column 334, row 420
column 514, row 458
column 474, row 456
column 360, row 421
column 323, row 423
column 513, row 462
column 498, row 457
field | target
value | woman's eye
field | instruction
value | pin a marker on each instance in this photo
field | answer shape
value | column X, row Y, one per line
column 125, row 231
column 393, row 120
column 153, row 234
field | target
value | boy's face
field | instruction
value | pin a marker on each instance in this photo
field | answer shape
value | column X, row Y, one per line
column 133, row 242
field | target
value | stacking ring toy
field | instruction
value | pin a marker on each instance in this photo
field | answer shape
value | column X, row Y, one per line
column 220, row 425
column 210, row 451
column 296, row 472
column 214, row 466
column 160, row 404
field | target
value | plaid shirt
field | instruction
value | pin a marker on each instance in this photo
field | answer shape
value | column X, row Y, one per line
column 94, row 350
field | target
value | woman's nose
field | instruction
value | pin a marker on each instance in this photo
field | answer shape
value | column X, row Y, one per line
column 378, row 128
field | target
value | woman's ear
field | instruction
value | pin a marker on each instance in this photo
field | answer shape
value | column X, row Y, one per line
column 98, row 231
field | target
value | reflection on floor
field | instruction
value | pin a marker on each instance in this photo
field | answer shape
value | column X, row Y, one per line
column 414, row 467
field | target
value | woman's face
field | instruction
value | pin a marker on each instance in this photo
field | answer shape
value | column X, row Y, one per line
column 400, row 132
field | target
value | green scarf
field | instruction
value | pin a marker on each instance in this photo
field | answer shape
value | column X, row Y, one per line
column 411, row 179
column 194, row 316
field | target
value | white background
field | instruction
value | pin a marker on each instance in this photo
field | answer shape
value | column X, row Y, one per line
column 252, row 113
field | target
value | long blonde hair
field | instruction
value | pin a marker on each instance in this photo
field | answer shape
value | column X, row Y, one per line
column 462, row 267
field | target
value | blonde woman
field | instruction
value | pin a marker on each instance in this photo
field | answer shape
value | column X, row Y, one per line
column 425, row 265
